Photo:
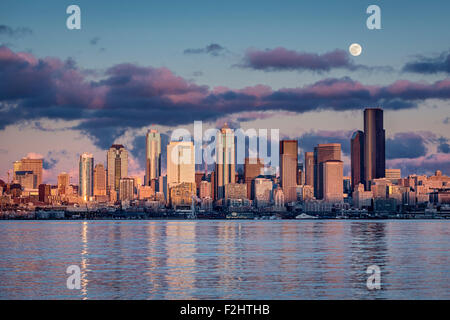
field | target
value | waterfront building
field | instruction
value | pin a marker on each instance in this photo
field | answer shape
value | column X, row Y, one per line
column 181, row 195
column 288, row 168
column 279, row 198
column 145, row 192
column 117, row 165
column 205, row 189
column 225, row 171
column 86, row 176
column 357, row 158
column 235, row 191
column 44, row 193
column 263, row 192
column 153, row 156
column 25, row 169
column 99, row 180
column 380, row 188
column 374, row 145
column 331, row 173
column 305, row 192
column 322, row 153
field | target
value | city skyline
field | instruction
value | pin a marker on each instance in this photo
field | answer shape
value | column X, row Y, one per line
column 304, row 83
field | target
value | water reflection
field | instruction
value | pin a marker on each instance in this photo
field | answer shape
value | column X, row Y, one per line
column 224, row 259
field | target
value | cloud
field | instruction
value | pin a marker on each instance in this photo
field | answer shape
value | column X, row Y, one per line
column 426, row 65
column 94, row 41
column 446, row 120
column 443, row 145
column 14, row 33
column 212, row 49
column 33, row 155
column 311, row 139
column 405, row 145
column 422, row 165
column 133, row 96
column 283, row 59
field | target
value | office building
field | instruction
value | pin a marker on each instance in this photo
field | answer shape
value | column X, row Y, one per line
column 153, row 156
column 309, row 168
column 86, row 176
column 225, row 171
column 331, row 172
column 322, row 153
column 180, row 163
column 100, row 180
column 374, row 145
column 357, row 158
column 117, row 165
column 288, row 169
column 253, row 167
column 126, row 189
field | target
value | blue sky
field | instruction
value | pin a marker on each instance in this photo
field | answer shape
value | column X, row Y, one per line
column 156, row 33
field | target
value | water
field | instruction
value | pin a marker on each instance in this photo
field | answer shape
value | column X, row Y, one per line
column 287, row 259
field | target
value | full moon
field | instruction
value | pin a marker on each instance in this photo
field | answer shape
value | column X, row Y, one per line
column 355, row 49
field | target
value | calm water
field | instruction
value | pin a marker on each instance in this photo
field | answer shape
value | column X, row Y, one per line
column 224, row 259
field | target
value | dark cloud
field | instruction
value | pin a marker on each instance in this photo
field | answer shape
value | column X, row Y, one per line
column 14, row 33
column 94, row 41
column 212, row 49
column 52, row 158
column 405, row 145
column 443, row 145
column 447, row 120
column 427, row 65
column 131, row 96
column 283, row 59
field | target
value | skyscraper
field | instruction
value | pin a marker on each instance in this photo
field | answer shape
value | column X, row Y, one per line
column 99, row 180
column 332, row 180
column 225, row 161
column 252, row 168
column 374, row 145
column 63, row 182
column 86, row 176
column 153, row 156
column 357, row 158
column 32, row 166
column 117, row 162
column 309, row 168
column 288, row 169
column 322, row 153
column 180, row 163
column 126, row 189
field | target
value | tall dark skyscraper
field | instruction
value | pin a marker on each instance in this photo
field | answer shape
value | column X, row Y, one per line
column 322, row 153
column 374, row 145
column 357, row 158
column 288, row 168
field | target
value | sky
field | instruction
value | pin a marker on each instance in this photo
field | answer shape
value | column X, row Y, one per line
column 254, row 64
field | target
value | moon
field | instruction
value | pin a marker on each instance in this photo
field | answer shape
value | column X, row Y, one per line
column 355, row 49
